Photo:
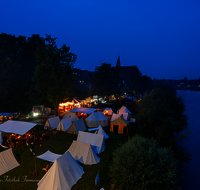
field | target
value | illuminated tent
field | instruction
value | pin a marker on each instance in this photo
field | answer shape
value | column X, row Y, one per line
column 52, row 123
column 63, row 174
column 108, row 111
column 49, row 156
column 96, row 119
column 100, row 131
column 76, row 126
column 71, row 115
column 7, row 161
column 64, row 124
column 83, row 152
column 119, row 125
column 17, row 127
column 97, row 141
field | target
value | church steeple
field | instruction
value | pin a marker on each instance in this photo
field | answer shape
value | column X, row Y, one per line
column 118, row 63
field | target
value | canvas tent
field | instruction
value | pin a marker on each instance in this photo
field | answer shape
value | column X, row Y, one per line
column 124, row 110
column 96, row 119
column 120, row 125
column 115, row 116
column 100, row 131
column 49, row 156
column 52, row 123
column 76, row 126
column 71, row 115
column 63, row 174
column 83, row 152
column 7, row 161
column 97, row 141
column 108, row 111
column 64, row 124
column 83, row 110
column 17, row 127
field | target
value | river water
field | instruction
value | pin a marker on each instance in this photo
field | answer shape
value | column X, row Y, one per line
column 191, row 171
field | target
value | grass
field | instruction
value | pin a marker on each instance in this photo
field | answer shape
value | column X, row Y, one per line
column 58, row 144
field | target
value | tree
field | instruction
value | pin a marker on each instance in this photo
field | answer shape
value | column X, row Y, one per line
column 53, row 78
column 161, row 114
column 141, row 164
column 105, row 80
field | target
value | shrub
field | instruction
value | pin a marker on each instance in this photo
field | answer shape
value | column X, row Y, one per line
column 142, row 164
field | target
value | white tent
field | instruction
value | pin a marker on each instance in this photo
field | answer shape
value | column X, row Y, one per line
column 76, row 126
column 100, row 131
column 71, row 115
column 108, row 111
column 97, row 141
column 7, row 161
column 116, row 116
column 63, row 174
column 49, row 156
column 17, row 127
column 64, row 124
column 83, row 152
column 123, row 110
column 96, row 119
column 52, row 123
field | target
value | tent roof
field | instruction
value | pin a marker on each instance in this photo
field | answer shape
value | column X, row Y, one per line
column 63, row 174
column 96, row 116
column 115, row 116
column 49, row 156
column 77, row 125
column 100, row 131
column 121, row 120
column 53, row 122
column 18, row 127
column 108, row 111
column 6, row 114
column 71, row 115
column 64, row 124
column 83, row 152
column 83, row 110
column 123, row 109
column 97, row 141
column 7, row 161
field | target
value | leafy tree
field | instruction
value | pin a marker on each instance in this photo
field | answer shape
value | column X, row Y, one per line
column 141, row 164
column 53, row 76
column 160, row 115
column 105, row 80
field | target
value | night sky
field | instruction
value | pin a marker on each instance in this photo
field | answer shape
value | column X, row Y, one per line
column 161, row 37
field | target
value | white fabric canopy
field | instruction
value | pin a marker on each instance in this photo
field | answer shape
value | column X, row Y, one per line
column 62, row 175
column 76, row 126
column 123, row 110
column 100, row 131
column 71, row 115
column 97, row 141
column 49, row 156
column 96, row 119
column 83, row 152
column 64, row 124
column 52, row 123
column 83, row 110
column 7, row 161
column 18, row 127
column 116, row 116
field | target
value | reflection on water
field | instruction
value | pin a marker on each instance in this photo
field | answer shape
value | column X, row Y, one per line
column 191, row 171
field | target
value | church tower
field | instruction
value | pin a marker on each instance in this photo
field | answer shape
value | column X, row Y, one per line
column 118, row 63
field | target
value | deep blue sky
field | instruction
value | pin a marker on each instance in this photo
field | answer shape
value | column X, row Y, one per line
column 161, row 37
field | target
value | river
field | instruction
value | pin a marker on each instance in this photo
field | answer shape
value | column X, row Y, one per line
column 191, row 171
